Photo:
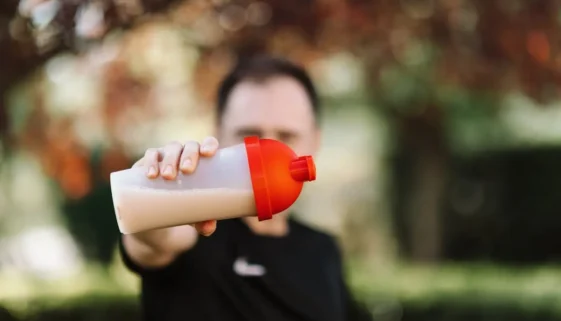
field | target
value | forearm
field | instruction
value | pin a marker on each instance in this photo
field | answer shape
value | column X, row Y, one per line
column 158, row 248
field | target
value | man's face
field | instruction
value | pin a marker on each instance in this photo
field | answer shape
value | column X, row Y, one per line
column 278, row 108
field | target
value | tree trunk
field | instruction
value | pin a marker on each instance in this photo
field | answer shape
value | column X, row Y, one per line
column 424, row 205
column 424, row 139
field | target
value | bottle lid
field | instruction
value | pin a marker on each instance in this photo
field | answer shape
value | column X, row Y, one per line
column 277, row 175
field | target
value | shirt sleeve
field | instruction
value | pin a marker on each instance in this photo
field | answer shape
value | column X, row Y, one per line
column 354, row 309
column 169, row 270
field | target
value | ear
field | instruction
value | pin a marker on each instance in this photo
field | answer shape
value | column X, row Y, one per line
column 317, row 140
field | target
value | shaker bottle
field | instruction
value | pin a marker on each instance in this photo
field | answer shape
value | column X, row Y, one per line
column 260, row 177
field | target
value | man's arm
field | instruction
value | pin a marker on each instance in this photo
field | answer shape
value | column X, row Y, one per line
column 159, row 248
column 356, row 311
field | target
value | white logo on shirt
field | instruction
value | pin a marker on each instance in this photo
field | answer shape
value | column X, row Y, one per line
column 242, row 268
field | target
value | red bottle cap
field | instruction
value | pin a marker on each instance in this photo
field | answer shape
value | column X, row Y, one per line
column 277, row 175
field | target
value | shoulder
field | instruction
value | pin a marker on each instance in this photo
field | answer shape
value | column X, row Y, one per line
column 316, row 238
column 307, row 230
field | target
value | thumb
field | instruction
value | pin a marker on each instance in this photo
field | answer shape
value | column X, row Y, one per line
column 206, row 228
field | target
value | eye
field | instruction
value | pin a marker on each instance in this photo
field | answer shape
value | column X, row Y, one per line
column 287, row 137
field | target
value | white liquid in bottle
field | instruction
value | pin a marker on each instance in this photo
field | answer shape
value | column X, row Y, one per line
column 143, row 208
column 220, row 188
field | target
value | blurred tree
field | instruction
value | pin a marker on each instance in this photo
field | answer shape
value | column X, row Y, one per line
column 5, row 315
column 420, row 57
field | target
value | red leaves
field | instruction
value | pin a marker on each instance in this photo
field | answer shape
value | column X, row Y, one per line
column 480, row 44
column 538, row 46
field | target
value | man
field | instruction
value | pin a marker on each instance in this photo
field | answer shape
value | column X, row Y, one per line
column 247, row 270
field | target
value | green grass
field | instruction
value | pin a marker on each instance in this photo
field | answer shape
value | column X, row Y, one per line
column 468, row 285
column 465, row 288
column 19, row 291
column 407, row 280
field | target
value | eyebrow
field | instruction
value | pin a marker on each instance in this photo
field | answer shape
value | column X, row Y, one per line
column 248, row 131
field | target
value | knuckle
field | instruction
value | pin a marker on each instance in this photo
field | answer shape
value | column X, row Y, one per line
column 172, row 149
column 175, row 145
column 191, row 147
column 211, row 141
column 151, row 154
column 209, row 146
column 191, row 143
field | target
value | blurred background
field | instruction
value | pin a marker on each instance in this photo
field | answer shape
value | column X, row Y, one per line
column 440, row 171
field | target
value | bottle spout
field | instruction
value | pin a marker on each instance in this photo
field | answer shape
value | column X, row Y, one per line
column 303, row 169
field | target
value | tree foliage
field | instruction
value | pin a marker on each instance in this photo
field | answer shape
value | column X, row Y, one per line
column 413, row 51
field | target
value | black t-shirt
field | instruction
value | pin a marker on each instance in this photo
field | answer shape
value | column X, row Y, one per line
column 238, row 275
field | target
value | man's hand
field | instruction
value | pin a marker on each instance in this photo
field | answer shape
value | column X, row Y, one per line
column 158, row 248
column 167, row 161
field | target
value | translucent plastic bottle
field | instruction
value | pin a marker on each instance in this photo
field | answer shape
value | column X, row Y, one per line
column 260, row 177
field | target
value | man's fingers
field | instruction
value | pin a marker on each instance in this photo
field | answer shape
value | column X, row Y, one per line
column 209, row 146
column 189, row 157
column 176, row 156
column 150, row 160
column 206, row 228
column 169, row 165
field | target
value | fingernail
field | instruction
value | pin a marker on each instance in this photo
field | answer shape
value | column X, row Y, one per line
column 168, row 170
column 186, row 164
column 152, row 171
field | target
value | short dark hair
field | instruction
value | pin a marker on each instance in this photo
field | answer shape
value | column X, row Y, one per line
column 262, row 68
